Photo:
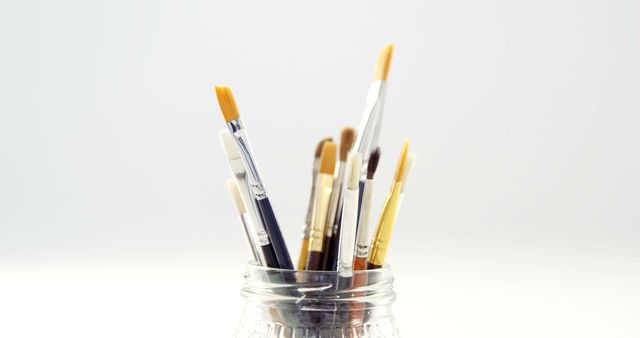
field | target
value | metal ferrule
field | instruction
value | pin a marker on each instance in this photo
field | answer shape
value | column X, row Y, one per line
column 242, row 141
column 370, row 125
column 347, row 238
column 362, row 251
column 362, row 239
column 261, row 236
column 380, row 243
column 336, row 198
column 307, row 221
column 324, row 185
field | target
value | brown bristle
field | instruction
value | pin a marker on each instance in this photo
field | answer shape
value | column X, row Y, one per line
column 347, row 137
column 227, row 103
column 402, row 161
column 384, row 62
column 328, row 158
column 372, row 165
column 321, row 144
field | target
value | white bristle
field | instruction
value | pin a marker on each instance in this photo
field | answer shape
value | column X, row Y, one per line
column 232, row 186
column 229, row 145
column 231, row 151
column 354, row 161
column 407, row 170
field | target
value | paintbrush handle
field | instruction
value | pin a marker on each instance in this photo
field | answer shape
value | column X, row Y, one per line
column 380, row 243
column 312, row 202
column 249, row 238
column 331, row 262
column 327, row 253
column 360, row 195
column 273, row 230
column 304, row 249
column 269, row 256
column 362, row 229
column 266, row 248
column 314, row 262
column 304, row 253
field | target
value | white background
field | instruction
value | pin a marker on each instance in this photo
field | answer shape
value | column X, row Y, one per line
column 522, row 215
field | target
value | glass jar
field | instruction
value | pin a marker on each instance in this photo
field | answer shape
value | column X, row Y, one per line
column 319, row 304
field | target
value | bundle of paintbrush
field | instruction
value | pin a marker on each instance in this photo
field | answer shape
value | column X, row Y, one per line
column 336, row 234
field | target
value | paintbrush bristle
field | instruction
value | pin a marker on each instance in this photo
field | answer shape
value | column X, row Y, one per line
column 407, row 170
column 347, row 137
column 232, row 186
column 372, row 165
column 228, row 145
column 384, row 62
column 328, row 158
column 321, row 144
column 227, row 103
column 353, row 164
column 402, row 161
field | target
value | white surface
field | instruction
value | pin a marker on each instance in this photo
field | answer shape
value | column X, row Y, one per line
column 522, row 212
column 455, row 295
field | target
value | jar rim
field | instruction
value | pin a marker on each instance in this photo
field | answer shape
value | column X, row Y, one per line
column 297, row 288
column 253, row 266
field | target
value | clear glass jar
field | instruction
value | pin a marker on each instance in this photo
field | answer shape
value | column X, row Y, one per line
column 319, row 304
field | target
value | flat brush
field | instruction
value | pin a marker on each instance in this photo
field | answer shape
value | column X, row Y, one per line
column 324, row 185
column 232, row 186
column 362, row 238
column 266, row 252
column 258, row 191
column 349, row 216
column 371, row 122
column 304, row 250
column 380, row 243
column 332, row 228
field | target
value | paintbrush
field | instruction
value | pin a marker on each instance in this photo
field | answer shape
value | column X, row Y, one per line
column 258, row 191
column 324, row 185
column 362, row 238
column 332, row 228
column 266, row 252
column 304, row 250
column 380, row 243
column 371, row 122
column 349, row 216
column 232, row 186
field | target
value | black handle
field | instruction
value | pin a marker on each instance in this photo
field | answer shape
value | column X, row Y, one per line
column 275, row 235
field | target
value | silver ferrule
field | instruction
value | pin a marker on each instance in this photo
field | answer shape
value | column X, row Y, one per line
column 348, row 232
column 312, row 195
column 362, row 237
column 242, row 141
column 362, row 251
column 339, row 210
column 262, row 237
column 369, row 131
column 252, row 209
column 331, row 227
